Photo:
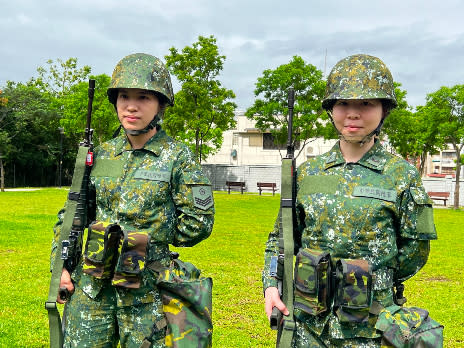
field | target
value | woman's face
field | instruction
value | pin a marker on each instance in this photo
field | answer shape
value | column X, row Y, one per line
column 356, row 118
column 136, row 107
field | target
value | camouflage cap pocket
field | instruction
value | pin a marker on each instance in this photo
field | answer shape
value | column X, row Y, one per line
column 353, row 290
column 409, row 327
column 312, row 282
column 101, row 249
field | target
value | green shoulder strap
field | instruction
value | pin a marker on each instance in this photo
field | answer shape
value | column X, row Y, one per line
column 56, row 333
column 288, row 326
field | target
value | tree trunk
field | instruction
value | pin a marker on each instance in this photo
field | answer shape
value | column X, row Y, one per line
column 458, row 175
column 2, row 174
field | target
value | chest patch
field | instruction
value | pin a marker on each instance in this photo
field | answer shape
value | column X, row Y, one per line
column 108, row 167
column 319, row 184
column 155, row 175
column 375, row 192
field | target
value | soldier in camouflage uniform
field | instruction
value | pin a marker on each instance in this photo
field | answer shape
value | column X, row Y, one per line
column 363, row 215
column 150, row 192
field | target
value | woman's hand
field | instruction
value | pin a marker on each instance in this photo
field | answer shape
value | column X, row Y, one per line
column 272, row 299
column 65, row 283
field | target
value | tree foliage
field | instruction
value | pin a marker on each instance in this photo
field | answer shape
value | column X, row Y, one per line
column 444, row 115
column 29, row 129
column 104, row 118
column 58, row 77
column 203, row 108
column 270, row 109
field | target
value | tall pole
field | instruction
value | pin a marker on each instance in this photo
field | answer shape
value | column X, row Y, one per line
column 61, row 155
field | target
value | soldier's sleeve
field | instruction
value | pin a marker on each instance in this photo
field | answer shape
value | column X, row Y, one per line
column 56, row 237
column 272, row 249
column 416, row 230
column 193, row 197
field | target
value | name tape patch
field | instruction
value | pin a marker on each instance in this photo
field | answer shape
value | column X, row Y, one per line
column 156, row 175
column 375, row 192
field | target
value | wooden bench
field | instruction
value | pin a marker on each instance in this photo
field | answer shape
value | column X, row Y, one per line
column 240, row 184
column 440, row 196
column 271, row 186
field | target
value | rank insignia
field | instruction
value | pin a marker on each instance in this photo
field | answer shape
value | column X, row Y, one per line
column 202, row 196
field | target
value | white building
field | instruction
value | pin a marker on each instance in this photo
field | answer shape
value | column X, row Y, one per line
column 247, row 145
column 251, row 156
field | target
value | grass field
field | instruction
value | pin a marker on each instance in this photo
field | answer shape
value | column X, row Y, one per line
column 233, row 256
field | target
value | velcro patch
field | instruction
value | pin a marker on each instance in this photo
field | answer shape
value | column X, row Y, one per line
column 156, row 175
column 375, row 192
column 202, row 196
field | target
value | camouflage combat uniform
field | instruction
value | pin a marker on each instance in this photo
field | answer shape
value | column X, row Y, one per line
column 375, row 209
column 159, row 191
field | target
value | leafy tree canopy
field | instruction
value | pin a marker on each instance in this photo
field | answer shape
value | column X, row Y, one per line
column 203, row 109
column 270, row 109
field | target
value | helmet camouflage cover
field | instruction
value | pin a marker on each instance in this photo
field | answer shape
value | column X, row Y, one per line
column 359, row 77
column 142, row 71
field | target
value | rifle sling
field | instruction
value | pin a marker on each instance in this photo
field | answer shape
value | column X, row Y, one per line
column 287, row 237
column 56, row 333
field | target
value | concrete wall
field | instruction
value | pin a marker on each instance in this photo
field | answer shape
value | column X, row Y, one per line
column 220, row 173
column 251, row 174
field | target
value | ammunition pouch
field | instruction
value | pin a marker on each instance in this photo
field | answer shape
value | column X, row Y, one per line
column 132, row 257
column 111, row 253
column 353, row 294
column 101, row 249
column 312, row 292
column 409, row 327
column 187, row 304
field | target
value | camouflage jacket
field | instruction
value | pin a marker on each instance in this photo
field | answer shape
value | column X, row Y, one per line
column 375, row 209
column 153, row 190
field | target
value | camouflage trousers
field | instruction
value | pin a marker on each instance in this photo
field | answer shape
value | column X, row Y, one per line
column 304, row 338
column 101, row 323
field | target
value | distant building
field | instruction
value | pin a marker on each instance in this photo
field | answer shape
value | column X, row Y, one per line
column 246, row 145
column 442, row 163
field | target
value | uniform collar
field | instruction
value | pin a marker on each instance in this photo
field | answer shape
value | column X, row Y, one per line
column 155, row 144
column 373, row 159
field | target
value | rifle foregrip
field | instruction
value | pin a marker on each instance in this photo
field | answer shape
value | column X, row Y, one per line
column 275, row 318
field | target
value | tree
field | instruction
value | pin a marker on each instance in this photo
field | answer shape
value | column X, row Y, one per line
column 29, row 132
column 270, row 112
column 444, row 110
column 104, row 118
column 203, row 109
column 59, row 77
column 408, row 132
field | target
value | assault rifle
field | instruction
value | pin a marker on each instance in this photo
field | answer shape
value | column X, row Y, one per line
column 282, row 266
column 74, row 223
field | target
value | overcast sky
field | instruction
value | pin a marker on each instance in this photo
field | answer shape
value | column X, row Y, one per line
column 422, row 42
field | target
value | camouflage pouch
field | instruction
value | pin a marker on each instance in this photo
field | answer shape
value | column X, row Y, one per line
column 101, row 249
column 353, row 290
column 312, row 282
column 404, row 327
column 132, row 255
column 187, row 305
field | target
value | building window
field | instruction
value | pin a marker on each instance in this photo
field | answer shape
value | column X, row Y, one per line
column 235, row 139
column 269, row 143
column 254, row 140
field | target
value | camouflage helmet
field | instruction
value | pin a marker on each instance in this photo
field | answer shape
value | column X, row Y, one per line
column 142, row 71
column 359, row 77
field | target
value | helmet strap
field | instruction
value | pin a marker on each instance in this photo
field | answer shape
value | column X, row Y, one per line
column 365, row 139
column 149, row 127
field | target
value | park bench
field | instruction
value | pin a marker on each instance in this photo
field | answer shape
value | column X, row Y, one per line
column 441, row 196
column 232, row 184
column 271, row 186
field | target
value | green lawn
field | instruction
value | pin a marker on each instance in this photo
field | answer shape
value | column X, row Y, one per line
column 233, row 256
